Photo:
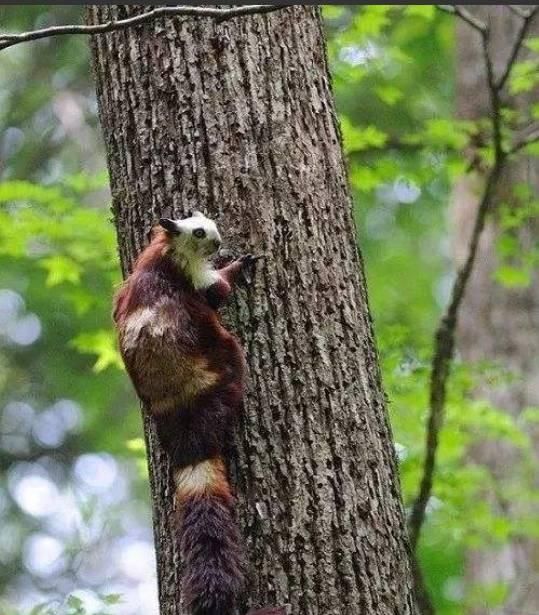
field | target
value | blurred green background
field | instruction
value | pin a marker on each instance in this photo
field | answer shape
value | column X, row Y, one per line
column 74, row 508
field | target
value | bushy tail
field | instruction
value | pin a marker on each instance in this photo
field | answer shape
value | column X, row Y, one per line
column 209, row 540
column 210, row 544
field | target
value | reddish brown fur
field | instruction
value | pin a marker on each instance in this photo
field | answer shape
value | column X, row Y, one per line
column 147, row 260
column 195, row 342
column 189, row 371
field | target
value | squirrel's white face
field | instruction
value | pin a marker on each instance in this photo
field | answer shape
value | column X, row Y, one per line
column 196, row 235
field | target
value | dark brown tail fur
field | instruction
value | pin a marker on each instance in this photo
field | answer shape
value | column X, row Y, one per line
column 211, row 553
column 213, row 560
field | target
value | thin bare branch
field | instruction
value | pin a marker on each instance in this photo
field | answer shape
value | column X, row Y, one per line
column 518, row 11
column 465, row 15
column 531, row 137
column 444, row 347
column 527, row 20
column 494, row 95
column 444, row 342
column 8, row 40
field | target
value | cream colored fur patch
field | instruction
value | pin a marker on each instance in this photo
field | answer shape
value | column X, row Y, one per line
column 150, row 319
column 199, row 478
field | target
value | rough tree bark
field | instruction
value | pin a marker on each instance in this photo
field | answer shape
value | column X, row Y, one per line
column 497, row 323
column 237, row 119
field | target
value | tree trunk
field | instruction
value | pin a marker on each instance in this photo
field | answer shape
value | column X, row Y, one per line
column 237, row 119
column 499, row 324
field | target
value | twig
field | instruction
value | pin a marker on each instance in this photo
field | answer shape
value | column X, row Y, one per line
column 444, row 347
column 527, row 19
column 494, row 95
column 465, row 15
column 8, row 40
column 517, row 10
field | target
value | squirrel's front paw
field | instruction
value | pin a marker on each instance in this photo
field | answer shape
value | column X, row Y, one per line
column 248, row 263
column 249, row 259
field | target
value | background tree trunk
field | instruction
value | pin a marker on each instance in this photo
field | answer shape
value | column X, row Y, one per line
column 498, row 323
column 237, row 119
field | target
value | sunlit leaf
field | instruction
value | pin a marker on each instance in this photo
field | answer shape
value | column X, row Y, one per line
column 530, row 415
column 512, row 277
column 532, row 42
column 364, row 179
column 389, row 94
column 101, row 343
column 332, row 12
column 61, row 269
column 525, row 76
column 426, row 11
column 357, row 138
column 136, row 445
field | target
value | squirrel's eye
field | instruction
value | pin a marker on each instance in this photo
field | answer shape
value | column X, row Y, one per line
column 199, row 233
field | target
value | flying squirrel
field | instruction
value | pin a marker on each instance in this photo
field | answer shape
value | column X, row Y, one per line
column 189, row 372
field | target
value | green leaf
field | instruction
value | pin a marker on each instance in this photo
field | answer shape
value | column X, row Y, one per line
column 81, row 299
column 522, row 191
column 388, row 94
column 361, row 138
column 507, row 245
column 489, row 595
column 456, row 167
column 61, row 269
column 76, row 604
column 136, row 445
column 29, row 192
column 370, row 21
column 530, row 415
column 512, row 277
column 532, row 149
column 447, row 133
column 364, row 179
column 112, row 598
column 332, row 12
column 84, row 183
column 525, row 76
column 101, row 343
column 427, row 11
column 532, row 43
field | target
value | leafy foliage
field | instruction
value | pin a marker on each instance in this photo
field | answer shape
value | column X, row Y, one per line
column 393, row 79
column 405, row 149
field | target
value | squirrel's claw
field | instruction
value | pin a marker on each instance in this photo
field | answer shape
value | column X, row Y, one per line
column 248, row 262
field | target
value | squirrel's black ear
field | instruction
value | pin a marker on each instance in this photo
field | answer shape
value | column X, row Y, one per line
column 169, row 225
column 192, row 213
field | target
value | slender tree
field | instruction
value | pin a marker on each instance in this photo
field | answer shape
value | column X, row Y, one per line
column 237, row 119
column 498, row 323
